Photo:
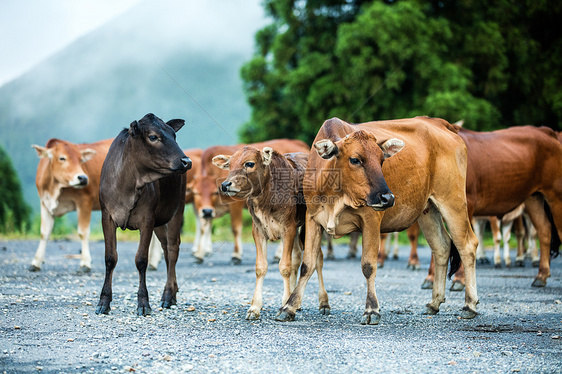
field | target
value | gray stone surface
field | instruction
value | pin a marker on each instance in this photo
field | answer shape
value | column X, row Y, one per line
column 48, row 324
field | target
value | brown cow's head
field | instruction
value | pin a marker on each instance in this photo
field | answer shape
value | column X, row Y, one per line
column 65, row 162
column 206, row 196
column 247, row 171
column 359, row 157
column 154, row 145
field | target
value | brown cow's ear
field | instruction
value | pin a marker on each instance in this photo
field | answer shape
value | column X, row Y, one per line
column 134, row 129
column 87, row 154
column 326, row 148
column 391, row 147
column 176, row 124
column 266, row 155
column 42, row 152
column 222, row 161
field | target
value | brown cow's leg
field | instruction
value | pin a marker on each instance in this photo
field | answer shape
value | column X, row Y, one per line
column 84, row 213
column 430, row 279
column 261, row 270
column 296, row 261
column 466, row 242
column 535, row 208
column 323, row 304
column 478, row 225
column 330, row 247
column 353, row 241
column 141, row 261
column 47, row 223
column 110, row 238
column 369, row 256
column 519, row 228
column 286, row 263
column 382, row 250
column 310, row 258
column 440, row 244
column 413, row 235
column 236, row 225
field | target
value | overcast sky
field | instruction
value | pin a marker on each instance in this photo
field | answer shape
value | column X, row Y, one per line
column 32, row 30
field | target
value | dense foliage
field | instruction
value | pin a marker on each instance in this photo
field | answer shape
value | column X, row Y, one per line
column 14, row 212
column 493, row 64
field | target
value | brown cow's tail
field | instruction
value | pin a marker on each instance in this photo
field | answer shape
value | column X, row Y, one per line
column 554, row 237
column 454, row 260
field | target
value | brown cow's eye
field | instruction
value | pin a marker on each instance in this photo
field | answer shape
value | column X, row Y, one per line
column 250, row 164
column 62, row 159
column 354, row 161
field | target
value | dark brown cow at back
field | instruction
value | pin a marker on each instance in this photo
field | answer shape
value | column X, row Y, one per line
column 142, row 187
column 67, row 180
column 381, row 177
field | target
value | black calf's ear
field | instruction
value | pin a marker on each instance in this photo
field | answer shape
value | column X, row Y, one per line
column 176, row 124
column 134, row 129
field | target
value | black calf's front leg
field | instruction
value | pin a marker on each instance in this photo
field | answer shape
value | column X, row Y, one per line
column 110, row 238
column 141, row 260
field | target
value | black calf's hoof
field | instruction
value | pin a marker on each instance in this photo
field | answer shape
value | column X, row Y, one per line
column 457, row 286
column 235, row 261
column 285, row 316
column 427, row 285
column 168, row 303
column 144, row 311
column 33, row 268
column 370, row 318
column 538, row 283
column 103, row 309
column 468, row 313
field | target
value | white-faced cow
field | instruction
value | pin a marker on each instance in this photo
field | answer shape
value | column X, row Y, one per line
column 142, row 187
column 353, row 184
column 67, row 180
column 272, row 185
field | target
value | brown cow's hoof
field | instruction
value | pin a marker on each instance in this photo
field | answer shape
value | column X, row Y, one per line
column 414, row 267
column 370, row 318
column 330, row 256
column 144, row 311
column 252, row 315
column 457, row 286
column 427, row 285
column 84, row 270
column 285, row 316
column 519, row 263
column 380, row 265
column 498, row 265
column 152, row 268
column 395, row 257
column 538, row 283
column 468, row 313
column 236, row 261
column 325, row 310
column 536, row 264
column 33, row 268
column 276, row 260
column 103, row 309
column 198, row 260
column 350, row 256
column 430, row 311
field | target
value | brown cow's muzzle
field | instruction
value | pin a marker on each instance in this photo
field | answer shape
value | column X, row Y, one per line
column 381, row 200
column 79, row 181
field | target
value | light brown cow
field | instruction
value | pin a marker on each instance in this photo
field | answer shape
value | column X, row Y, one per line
column 349, row 188
column 67, row 180
column 209, row 204
column 272, row 185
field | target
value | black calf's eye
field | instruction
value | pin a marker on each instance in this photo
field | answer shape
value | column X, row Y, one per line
column 152, row 138
column 355, row 161
column 250, row 164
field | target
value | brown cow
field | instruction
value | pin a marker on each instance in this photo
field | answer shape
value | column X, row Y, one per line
column 210, row 204
column 67, row 180
column 155, row 251
column 349, row 188
column 512, row 166
column 271, row 183
column 142, row 187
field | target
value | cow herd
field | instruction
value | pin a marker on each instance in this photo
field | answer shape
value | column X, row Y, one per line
column 371, row 178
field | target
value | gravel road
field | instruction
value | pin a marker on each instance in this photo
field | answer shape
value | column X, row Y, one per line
column 48, row 324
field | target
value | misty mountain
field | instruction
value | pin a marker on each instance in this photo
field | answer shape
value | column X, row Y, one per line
column 161, row 57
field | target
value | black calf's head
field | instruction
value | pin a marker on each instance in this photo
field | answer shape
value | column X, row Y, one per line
column 154, row 145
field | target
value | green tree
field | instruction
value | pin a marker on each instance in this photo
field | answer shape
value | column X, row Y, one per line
column 14, row 212
column 485, row 62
